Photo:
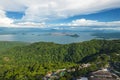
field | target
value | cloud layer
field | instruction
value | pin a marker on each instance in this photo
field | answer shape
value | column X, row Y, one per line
column 84, row 22
column 51, row 9
column 4, row 21
column 41, row 11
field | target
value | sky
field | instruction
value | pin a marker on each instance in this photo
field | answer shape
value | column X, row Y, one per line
column 104, row 14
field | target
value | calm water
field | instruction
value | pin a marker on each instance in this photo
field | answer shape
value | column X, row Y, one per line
column 57, row 37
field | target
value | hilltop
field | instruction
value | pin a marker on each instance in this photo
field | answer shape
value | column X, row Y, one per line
column 33, row 61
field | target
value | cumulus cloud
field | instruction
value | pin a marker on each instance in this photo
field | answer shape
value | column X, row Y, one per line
column 7, row 22
column 46, row 10
column 4, row 21
column 41, row 10
column 88, row 23
column 13, row 5
column 31, row 24
column 84, row 22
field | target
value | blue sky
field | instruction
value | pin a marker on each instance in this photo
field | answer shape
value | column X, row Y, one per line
column 14, row 15
column 72, row 13
column 105, row 15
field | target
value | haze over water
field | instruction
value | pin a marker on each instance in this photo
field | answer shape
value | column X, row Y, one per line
column 56, row 36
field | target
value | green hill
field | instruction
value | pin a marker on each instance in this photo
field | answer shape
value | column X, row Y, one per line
column 5, row 45
column 34, row 60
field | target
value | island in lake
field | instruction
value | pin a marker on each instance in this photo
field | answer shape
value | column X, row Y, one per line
column 65, row 34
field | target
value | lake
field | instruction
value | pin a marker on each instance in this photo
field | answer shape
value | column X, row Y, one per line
column 61, row 37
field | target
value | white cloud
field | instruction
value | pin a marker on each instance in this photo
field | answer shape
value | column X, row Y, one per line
column 4, row 21
column 7, row 22
column 31, row 24
column 40, row 10
column 13, row 5
column 91, row 24
column 47, row 10
column 84, row 22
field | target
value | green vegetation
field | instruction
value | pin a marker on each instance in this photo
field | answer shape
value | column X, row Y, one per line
column 5, row 45
column 33, row 61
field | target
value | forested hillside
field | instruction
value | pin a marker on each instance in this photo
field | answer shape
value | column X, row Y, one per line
column 32, row 61
column 5, row 45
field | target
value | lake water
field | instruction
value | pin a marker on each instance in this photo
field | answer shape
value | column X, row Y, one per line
column 61, row 37
column 47, row 37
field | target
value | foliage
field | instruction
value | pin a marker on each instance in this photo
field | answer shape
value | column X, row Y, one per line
column 33, row 61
